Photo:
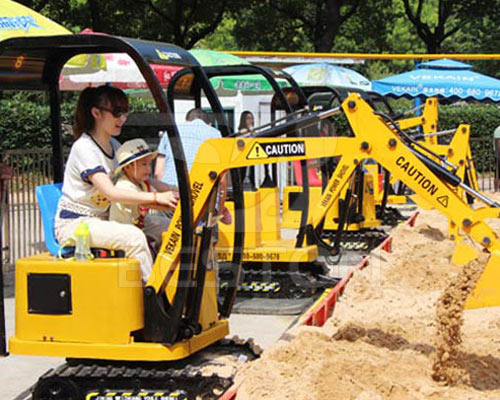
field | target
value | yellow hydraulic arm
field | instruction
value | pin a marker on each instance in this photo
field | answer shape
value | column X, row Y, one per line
column 428, row 120
column 457, row 153
column 373, row 138
column 432, row 183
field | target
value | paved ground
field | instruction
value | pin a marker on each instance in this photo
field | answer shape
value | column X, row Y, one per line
column 19, row 372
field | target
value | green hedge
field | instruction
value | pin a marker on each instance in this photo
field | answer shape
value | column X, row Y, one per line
column 483, row 119
column 25, row 119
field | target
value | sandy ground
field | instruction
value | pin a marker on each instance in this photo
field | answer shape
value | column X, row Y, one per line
column 383, row 342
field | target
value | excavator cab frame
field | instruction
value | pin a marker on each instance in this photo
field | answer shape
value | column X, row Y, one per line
column 35, row 63
column 265, row 251
column 359, row 230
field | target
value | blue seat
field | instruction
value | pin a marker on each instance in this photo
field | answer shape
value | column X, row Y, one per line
column 48, row 197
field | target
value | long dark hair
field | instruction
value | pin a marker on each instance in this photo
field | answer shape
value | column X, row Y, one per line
column 101, row 96
column 243, row 117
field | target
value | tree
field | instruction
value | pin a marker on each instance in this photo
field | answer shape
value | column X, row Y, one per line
column 322, row 19
column 182, row 22
column 222, row 38
column 279, row 23
column 481, row 34
column 437, row 20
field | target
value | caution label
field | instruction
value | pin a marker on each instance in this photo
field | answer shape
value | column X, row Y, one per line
column 281, row 149
column 416, row 175
column 122, row 395
column 443, row 200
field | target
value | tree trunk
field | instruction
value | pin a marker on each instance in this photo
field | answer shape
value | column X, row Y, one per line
column 328, row 26
column 95, row 16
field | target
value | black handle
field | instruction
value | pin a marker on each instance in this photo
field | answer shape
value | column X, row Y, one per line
column 441, row 172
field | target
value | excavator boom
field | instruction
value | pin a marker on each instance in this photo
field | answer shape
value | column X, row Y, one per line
column 373, row 138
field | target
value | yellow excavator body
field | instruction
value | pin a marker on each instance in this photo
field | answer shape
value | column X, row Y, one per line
column 96, row 306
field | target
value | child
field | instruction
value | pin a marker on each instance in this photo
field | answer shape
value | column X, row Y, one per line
column 134, row 169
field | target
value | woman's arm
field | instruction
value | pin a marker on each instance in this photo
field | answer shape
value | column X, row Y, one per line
column 104, row 184
column 162, row 186
column 159, row 166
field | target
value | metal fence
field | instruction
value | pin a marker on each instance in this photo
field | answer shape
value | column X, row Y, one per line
column 22, row 225
column 485, row 159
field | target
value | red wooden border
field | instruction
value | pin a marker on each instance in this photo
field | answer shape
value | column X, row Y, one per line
column 321, row 312
column 229, row 394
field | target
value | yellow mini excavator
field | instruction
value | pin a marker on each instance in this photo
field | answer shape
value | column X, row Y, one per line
column 273, row 267
column 364, row 214
column 121, row 339
column 349, row 225
column 166, row 340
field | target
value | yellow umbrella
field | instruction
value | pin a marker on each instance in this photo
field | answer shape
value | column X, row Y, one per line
column 17, row 20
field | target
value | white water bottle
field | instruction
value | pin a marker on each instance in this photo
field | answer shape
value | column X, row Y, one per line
column 82, row 239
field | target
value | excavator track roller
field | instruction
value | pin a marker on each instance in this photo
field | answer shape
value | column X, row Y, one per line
column 198, row 377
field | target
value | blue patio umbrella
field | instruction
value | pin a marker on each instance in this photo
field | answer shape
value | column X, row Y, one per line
column 442, row 78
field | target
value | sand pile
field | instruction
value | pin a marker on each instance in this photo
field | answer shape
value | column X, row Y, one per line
column 382, row 341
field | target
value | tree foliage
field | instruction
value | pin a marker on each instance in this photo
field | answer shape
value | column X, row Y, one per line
column 301, row 25
column 371, row 26
column 438, row 22
column 182, row 22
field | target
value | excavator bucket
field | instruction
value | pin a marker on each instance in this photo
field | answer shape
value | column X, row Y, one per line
column 487, row 291
column 463, row 254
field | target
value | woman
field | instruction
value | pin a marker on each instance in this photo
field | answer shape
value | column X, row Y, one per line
column 246, row 121
column 246, row 125
column 87, row 187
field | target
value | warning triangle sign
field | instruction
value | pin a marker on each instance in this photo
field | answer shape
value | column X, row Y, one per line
column 443, row 200
column 257, row 152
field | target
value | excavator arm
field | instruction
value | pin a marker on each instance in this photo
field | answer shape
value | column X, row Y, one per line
column 428, row 120
column 436, row 185
column 373, row 138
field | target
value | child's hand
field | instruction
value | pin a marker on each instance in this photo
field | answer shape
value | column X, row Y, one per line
column 168, row 199
column 226, row 217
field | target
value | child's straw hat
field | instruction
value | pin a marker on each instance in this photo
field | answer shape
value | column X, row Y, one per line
column 131, row 151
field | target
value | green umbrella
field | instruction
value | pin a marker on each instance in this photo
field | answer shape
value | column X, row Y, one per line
column 209, row 58
column 247, row 83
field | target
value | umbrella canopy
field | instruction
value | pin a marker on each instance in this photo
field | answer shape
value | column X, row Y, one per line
column 209, row 58
column 443, row 78
column 326, row 74
column 233, row 83
column 120, row 70
column 17, row 20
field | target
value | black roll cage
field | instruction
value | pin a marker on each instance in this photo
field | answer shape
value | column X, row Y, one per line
column 35, row 63
column 280, row 102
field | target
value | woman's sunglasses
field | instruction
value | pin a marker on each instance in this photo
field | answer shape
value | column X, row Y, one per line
column 117, row 112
